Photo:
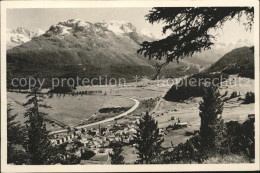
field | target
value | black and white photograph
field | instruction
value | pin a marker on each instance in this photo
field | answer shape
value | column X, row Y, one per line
column 100, row 85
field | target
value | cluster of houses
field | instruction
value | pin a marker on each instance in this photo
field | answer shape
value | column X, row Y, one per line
column 98, row 139
column 86, row 92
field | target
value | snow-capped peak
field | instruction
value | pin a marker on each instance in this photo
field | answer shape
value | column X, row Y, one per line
column 23, row 31
column 18, row 36
column 75, row 25
column 65, row 28
column 118, row 27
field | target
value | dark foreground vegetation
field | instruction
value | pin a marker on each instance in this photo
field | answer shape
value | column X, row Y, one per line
column 216, row 139
column 238, row 140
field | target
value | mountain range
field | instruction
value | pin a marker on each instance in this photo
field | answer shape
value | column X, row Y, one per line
column 87, row 49
column 106, row 48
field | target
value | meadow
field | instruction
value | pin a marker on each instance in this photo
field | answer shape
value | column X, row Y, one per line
column 72, row 110
column 68, row 109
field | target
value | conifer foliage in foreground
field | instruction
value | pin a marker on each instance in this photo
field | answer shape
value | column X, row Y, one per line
column 15, row 136
column 148, row 140
column 37, row 143
column 212, row 127
column 216, row 139
column 116, row 157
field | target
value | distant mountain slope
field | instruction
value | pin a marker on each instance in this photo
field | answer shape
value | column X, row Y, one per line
column 87, row 49
column 239, row 61
column 217, row 51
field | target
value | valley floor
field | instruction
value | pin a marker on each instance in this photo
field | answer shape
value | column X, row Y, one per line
column 71, row 110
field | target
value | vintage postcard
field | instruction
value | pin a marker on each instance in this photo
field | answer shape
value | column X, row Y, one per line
column 119, row 86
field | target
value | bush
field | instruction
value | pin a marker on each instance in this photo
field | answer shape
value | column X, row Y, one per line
column 233, row 95
column 248, row 138
column 239, row 142
column 249, row 98
column 241, row 137
column 234, row 130
column 87, row 155
column 227, row 159
column 188, row 152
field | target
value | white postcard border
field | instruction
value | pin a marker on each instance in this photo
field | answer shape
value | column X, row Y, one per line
column 122, row 168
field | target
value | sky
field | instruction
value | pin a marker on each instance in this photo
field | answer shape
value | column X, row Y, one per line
column 40, row 18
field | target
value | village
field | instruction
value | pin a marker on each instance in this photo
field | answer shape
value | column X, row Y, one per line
column 98, row 139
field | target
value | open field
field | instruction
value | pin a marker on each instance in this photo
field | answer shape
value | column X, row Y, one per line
column 71, row 110
column 190, row 113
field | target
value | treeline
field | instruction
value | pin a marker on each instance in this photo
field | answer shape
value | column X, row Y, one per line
column 193, row 86
column 60, row 92
column 18, row 67
column 71, row 91
column 62, row 89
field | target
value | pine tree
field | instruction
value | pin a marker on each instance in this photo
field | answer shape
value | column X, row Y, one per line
column 148, row 140
column 15, row 136
column 38, row 143
column 116, row 157
column 212, row 128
